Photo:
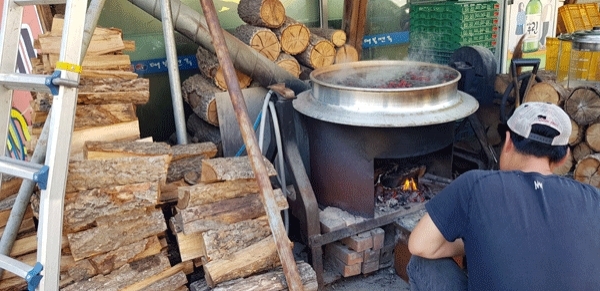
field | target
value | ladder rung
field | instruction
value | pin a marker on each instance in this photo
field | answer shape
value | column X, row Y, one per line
column 39, row 2
column 26, row 170
column 27, row 272
column 35, row 83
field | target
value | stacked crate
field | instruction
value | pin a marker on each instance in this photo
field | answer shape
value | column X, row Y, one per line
column 437, row 29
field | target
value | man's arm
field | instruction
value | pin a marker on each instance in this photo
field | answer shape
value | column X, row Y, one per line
column 427, row 241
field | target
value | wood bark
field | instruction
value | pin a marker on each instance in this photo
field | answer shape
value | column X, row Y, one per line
column 112, row 260
column 222, row 213
column 182, row 168
column 581, row 150
column 10, row 185
column 101, row 62
column 231, row 168
column 265, row 13
column 592, row 136
column 184, row 151
column 103, row 74
column 293, row 36
column 583, row 105
column 259, row 38
column 169, row 279
column 103, row 91
column 205, row 193
column 577, row 133
column 200, row 94
column 289, row 63
column 345, row 54
column 587, row 170
column 546, row 91
column 221, row 243
column 87, row 116
column 319, row 53
column 335, row 36
column 202, row 131
column 210, row 68
column 90, row 174
column 84, row 207
column 258, row 257
column 273, row 280
column 27, row 228
column 115, row 232
column 305, row 72
column 100, row 150
column 124, row 276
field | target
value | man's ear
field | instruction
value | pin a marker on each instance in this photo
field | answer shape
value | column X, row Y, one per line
column 508, row 145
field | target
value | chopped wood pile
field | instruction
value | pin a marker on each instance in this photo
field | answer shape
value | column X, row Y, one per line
column 108, row 92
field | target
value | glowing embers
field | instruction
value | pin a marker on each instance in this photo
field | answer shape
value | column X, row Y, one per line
column 396, row 187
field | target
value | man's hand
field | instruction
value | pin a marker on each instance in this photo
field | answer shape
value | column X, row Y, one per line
column 427, row 241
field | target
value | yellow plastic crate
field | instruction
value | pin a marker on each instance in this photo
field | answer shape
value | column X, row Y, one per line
column 593, row 13
column 564, row 59
column 552, row 44
column 574, row 18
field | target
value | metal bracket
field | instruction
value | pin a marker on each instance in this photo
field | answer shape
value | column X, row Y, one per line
column 33, row 277
column 53, row 82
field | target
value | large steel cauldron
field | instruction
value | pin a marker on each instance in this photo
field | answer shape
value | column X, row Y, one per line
column 356, row 113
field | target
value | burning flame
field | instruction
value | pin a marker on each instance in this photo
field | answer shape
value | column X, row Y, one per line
column 409, row 185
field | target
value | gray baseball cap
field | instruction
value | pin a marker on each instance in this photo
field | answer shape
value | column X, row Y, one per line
column 543, row 113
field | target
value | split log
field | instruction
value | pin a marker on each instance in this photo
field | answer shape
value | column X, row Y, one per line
column 577, row 133
column 335, row 36
column 133, row 272
column 84, row 207
column 103, row 41
column 319, row 53
column 101, row 150
column 27, row 228
column 547, row 91
column 103, row 91
column 293, row 36
column 225, row 212
column 581, row 150
column 95, row 115
column 258, row 257
column 200, row 93
column 592, row 136
column 239, row 236
column 184, row 151
column 587, row 170
column 346, row 54
column 289, row 63
column 566, row 167
column 583, row 105
column 170, row 279
column 6, row 206
column 124, row 131
column 191, row 246
column 210, row 68
column 103, row 74
column 205, row 193
column 169, row 192
column 265, row 13
column 203, row 131
column 10, row 186
column 90, row 174
column 115, row 232
column 231, row 168
column 273, row 280
column 101, row 62
column 259, row 38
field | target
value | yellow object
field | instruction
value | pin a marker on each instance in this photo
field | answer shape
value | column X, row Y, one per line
column 574, row 17
column 69, row 67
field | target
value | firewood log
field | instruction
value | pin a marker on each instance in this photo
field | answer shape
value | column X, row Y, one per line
column 112, row 260
column 210, row 68
column 265, row 13
column 345, row 54
column 191, row 246
column 305, row 72
column 100, row 150
column 258, row 257
column 546, row 91
column 116, row 231
column 82, row 208
column 242, row 234
column 289, row 63
column 231, row 168
column 184, row 151
column 272, row 280
column 26, row 228
column 92, row 115
column 259, row 38
column 126, row 275
column 10, row 185
column 592, row 136
column 202, row 131
column 187, row 159
column 90, row 174
column 581, row 150
column 204, row 193
column 319, row 53
column 6, row 206
column 103, row 41
column 577, row 133
column 103, row 91
column 222, row 213
column 169, row 279
column 583, row 105
column 200, row 93
column 335, row 36
column 101, row 62
column 587, row 170
column 100, row 74
column 293, row 36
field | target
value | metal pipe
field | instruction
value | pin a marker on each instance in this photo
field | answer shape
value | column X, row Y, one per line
column 290, row 270
column 173, row 67
column 23, row 196
column 323, row 13
column 193, row 25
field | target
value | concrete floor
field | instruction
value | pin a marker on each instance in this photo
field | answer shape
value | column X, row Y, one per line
column 382, row 280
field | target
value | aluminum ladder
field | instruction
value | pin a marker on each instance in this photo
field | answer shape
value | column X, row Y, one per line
column 52, row 175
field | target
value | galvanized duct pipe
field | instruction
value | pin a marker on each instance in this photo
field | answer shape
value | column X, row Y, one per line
column 193, row 25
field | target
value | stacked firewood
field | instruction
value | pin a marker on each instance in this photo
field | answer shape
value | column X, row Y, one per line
column 108, row 92
column 220, row 223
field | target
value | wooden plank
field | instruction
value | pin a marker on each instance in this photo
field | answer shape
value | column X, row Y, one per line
column 98, row 150
column 168, row 279
column 115, row 232
column 231, row 168
column 191, row 246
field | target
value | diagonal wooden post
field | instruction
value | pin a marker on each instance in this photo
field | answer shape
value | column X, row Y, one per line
column 290, row 270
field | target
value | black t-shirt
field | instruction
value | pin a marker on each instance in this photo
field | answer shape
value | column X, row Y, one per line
column 523, row 231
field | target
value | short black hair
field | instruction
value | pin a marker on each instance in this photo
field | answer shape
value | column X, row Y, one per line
column 538, row 149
